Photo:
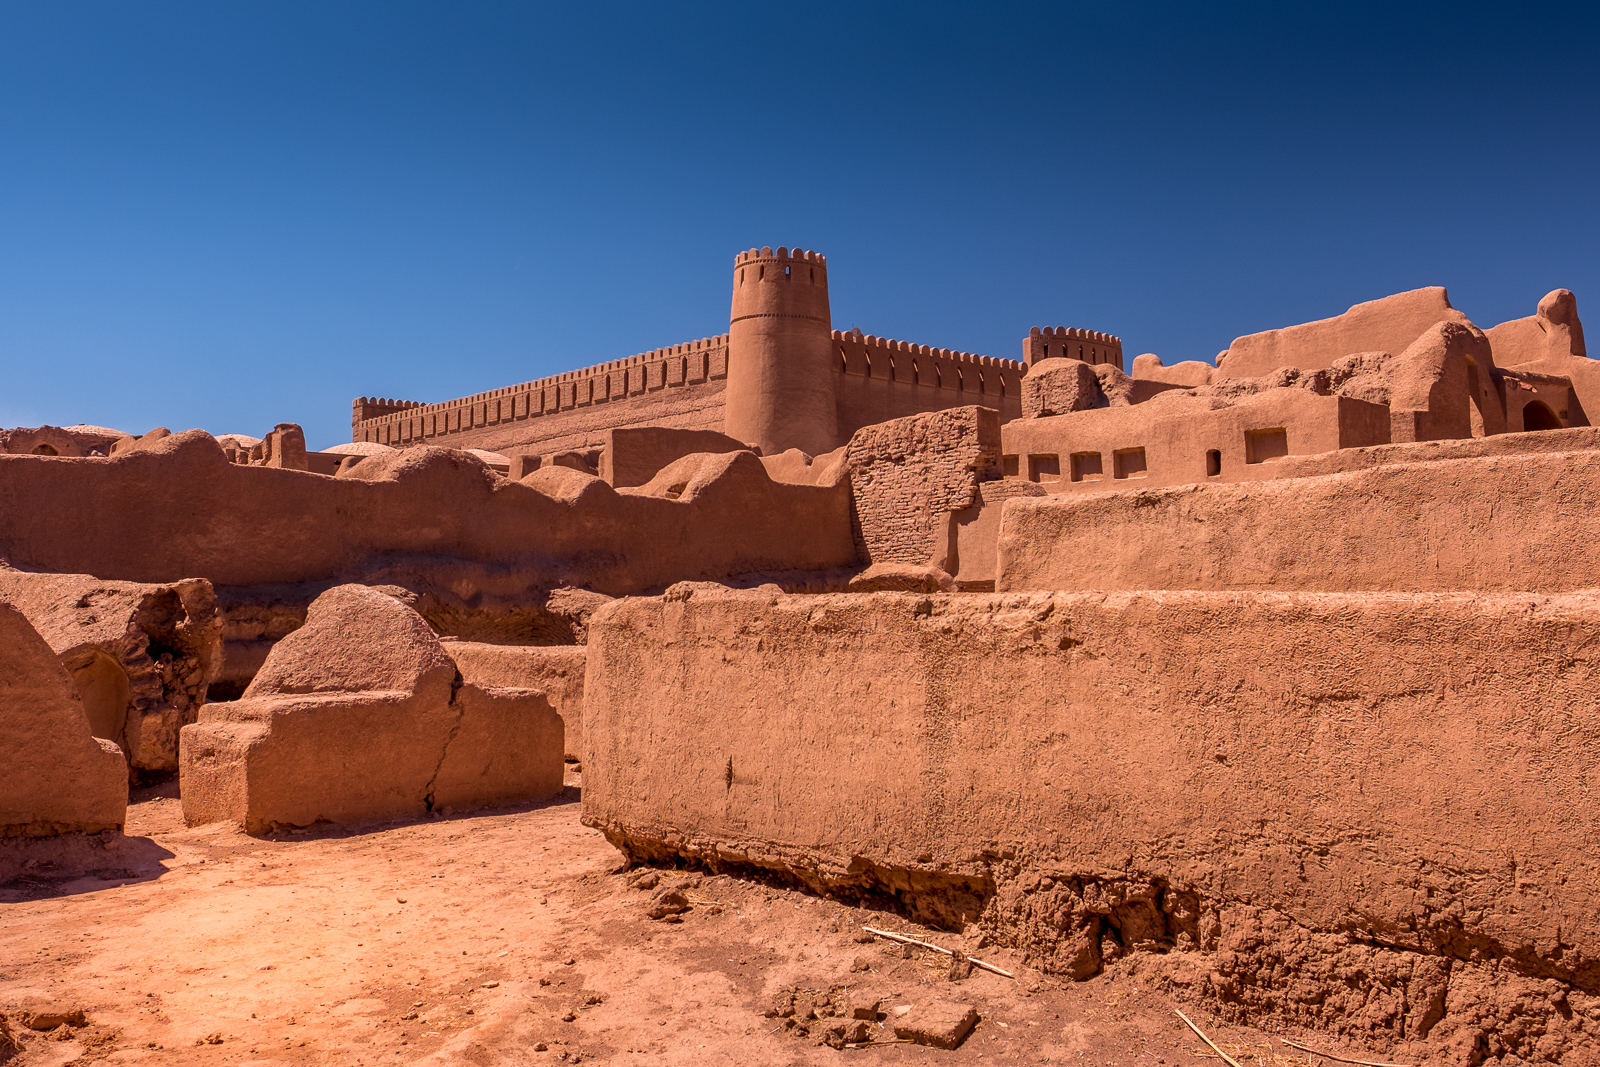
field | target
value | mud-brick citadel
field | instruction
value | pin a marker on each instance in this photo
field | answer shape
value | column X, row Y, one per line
column 780, row 378
column 1267, row 682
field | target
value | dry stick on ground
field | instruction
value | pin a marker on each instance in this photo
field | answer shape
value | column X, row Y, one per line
column 913, row 941
column 1341, row 1059
column 1229, row 1060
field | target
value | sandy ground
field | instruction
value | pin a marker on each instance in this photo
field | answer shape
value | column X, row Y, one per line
column 507, row 936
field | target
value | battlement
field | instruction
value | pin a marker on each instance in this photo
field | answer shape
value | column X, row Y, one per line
column 408, row 422
column 926, row 366
column 800, row 254
column 1068, row 342
column 363, row 408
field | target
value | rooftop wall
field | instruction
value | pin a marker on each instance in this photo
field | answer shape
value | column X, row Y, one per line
column 1173, row 440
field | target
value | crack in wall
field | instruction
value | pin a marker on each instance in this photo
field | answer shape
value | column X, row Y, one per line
column 428, row 791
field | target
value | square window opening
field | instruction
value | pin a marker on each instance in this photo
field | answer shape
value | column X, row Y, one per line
column 1264, row 446
column 1129, row 463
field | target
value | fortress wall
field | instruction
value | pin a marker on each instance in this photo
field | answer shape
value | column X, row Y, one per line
column 1498, row 522
column 1321, row 807
column 880, row 379
column 680, row 386
column 180, row 509
column 1066, row 342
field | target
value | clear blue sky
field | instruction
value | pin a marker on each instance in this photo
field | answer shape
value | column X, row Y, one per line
column 228, row 215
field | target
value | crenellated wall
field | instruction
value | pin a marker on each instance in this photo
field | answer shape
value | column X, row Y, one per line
column 779, row 379
column 1066, row 342
column 678, row 386
column 879, row 379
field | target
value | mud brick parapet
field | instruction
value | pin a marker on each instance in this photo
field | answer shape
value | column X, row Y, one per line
column 981, row 378
column 1065, row 342
column 619, row 382
column 879, row 379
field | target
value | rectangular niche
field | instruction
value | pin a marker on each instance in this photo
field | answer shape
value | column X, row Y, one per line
column 1087, row 467
column 1264, row 446
column 1129, row 463
column 1045, row 468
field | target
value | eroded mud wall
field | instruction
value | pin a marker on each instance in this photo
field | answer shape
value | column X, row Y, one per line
column 1495, row 523
column 1363, row 813
column 182, row 510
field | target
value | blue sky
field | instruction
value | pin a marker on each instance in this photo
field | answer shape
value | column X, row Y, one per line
column 231, row 215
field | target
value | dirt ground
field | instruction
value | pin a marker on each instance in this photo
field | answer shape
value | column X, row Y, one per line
column 508, row 936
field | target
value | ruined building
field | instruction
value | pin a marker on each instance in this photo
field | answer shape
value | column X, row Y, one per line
column 1272, row 674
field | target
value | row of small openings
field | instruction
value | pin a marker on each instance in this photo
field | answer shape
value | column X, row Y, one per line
column 1081, row 466
column 761, row 273
column 1261, row 446
column 916, row 375
column 1093, row 357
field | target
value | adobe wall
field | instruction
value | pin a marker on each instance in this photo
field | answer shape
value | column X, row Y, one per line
column 879, row 379
column 632, row 455
column 1065, row 342
column 1501, row 522
column 1176, row 439
column 907, row 477
column 1389, row 324
column 184, row 511
column 680, row 386
column 1321, row 808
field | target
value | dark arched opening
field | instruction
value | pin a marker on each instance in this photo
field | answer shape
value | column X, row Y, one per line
column 46, row 450
column 1536, row 415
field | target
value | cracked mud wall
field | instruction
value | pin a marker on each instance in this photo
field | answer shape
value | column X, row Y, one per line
column 1361, row 812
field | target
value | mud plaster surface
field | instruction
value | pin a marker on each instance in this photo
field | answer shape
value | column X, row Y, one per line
column 315, row 948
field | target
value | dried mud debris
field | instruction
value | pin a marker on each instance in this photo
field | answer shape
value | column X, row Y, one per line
column 841, row 1017
column 940, row 1023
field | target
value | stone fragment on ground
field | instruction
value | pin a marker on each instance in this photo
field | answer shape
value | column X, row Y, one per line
column 940, row 1023
column 668, row 904
column 902, row 578
column 48, row 1017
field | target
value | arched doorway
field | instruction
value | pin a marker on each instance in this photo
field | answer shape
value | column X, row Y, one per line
column 1536, row 415
column 45, row 450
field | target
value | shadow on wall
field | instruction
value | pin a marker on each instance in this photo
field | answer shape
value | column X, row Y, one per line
column 186, row 511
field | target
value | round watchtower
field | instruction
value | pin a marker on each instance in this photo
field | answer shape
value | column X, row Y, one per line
column 780, row 392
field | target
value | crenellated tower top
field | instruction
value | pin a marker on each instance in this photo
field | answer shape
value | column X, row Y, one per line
column 1067, row 342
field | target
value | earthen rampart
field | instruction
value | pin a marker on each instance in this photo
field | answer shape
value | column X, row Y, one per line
column 678, row 386
column 881, row 379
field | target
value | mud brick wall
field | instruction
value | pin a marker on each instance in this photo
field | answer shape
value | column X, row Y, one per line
column 907, row 475
column 680, row 386
column 1492, row 523
column 1320, row 808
